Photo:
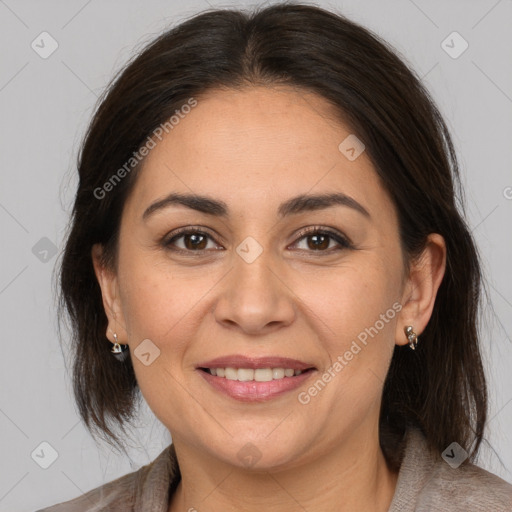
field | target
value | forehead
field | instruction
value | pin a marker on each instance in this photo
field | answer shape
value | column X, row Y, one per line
column 255, row 144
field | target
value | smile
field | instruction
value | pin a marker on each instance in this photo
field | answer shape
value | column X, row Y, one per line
column 255, row 379
column 250, row 374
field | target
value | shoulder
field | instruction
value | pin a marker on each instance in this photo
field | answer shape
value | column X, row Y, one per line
column 116, row 496
column 467, row 487
column 129, row 492
column 427, row 482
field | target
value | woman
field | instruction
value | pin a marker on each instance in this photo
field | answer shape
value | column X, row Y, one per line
column 266, row 236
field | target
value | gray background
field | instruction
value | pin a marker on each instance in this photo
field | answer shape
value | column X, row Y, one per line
column 45, row 106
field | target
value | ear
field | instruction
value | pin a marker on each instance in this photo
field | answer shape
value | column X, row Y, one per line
column 108, row 282
column 420, row 291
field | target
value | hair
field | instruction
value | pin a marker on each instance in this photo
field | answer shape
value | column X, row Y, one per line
column 440, row 387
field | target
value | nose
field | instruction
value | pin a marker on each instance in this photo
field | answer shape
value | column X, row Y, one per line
column 254, row 297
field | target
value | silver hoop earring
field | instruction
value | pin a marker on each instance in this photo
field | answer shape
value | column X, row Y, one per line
column 411, row 336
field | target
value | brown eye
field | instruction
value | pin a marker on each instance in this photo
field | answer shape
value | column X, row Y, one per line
column 320, row 241
column 194, row 241
column 191, row 241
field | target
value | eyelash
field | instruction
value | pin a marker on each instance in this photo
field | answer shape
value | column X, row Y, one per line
column 343, row 242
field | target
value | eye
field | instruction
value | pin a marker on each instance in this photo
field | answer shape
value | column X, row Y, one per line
column 319, row 240
column 193, row 240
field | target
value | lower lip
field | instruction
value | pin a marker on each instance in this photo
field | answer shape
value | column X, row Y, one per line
column 252, row 391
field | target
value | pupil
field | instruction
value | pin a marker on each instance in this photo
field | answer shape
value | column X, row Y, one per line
column 194, row 239
column 322, row 244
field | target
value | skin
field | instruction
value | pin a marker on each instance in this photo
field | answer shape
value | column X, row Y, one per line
column 253, row 149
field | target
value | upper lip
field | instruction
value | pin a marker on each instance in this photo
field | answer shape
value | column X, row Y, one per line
column 240, row 361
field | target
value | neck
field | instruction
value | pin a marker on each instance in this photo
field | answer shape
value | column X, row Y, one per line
column 352, row 476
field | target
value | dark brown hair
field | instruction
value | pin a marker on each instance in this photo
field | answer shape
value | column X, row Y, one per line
column 441, row 386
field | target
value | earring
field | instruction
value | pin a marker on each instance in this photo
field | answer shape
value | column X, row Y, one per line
column 411, row 336
column 119, row 350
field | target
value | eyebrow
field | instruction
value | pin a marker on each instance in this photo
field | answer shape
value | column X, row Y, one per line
column 293, row 206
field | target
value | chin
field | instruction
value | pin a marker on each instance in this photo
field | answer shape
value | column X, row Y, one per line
column 261, row 453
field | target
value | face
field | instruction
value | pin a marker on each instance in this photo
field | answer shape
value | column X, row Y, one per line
column 258, row 280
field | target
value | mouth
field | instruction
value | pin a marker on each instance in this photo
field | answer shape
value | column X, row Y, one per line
column 256, row 375
column 255, row 379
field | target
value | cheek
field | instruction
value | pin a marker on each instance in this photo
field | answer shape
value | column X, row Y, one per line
column 159, row 307
column 166, row 308
column 155, row 301
column 361, row 312
column 359, row 341
column 357, row 297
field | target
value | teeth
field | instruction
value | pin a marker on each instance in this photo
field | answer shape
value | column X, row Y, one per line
column 263, row 375
column 231, row 374
column 278, row 373
column 258, row 375
column 245, row 374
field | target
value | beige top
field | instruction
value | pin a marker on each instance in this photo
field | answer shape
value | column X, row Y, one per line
column 425, row 484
